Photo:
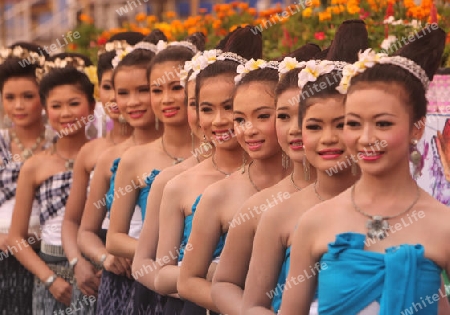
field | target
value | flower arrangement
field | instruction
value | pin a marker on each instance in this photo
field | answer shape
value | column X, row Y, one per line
column 286, row 28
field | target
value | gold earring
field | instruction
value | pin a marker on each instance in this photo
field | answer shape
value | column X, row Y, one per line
column 416, row 158
column 206, row 147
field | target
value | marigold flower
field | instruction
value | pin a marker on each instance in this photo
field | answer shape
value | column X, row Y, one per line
column 140, row 17
column 171, row 14
column 307, row 12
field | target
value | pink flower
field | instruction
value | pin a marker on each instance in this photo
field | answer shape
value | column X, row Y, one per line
column 319, row 35
column 363, row 14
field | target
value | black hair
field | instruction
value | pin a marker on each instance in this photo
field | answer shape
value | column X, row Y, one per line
column 155, row 36
column 304, row 53
column 12, row 68
column 288, row 81
column 426, row 51
column 138, row 58
column 66, row 76
column 351, row 37
column 104, row 62
column 443, row 71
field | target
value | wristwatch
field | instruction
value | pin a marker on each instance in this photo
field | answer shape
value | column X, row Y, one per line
column 73, row 262
column 48, row 283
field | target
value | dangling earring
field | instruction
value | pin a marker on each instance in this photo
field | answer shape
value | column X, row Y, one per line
column 206, row 147
column 416, row 158
column 156, row 123
column 123, row 125
column 306, row 169
column 192, row 147
column 7, row 122
column 354, row 169
column 285, row 160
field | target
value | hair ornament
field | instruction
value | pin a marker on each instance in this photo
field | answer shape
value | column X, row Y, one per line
column 288, row 64
column 146, row 46
column 369, row 58
column 68, row 62
column 22, row 53
column 199, row 62
column 113, row 46
column 252, row 65
column 164, row 45
column 120, row 54
column 315, row 68
column 232, row 57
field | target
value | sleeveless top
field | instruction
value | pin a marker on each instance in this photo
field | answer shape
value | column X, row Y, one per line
column 9, row 174
column 395, row 282
column 51, row 196
column 143, row 193
column 136, row 222
column 187, row 232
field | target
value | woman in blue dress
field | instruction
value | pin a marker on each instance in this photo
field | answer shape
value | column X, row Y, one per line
column 375, row 250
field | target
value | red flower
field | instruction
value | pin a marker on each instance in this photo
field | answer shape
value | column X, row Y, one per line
column 101, row 41
column 363, row 14
column 319, row 35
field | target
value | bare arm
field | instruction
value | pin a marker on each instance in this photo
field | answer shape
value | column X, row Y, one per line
column 206, row 231
column 171, row 220
column 229, row 279
column 148, row 239
column 118, row 242
column 297, row 300
column 265, row 266
column 17, row 237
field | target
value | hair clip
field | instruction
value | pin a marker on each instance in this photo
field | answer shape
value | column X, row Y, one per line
column 233, row 57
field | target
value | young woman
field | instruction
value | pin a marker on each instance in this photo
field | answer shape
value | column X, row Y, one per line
column 254, row 116
column 321, row 123
column 26, row 136
column 167, row 102
column 360, row 273
column 132, row 95
column 67, row 95
column 88, row 277
column 230, row 276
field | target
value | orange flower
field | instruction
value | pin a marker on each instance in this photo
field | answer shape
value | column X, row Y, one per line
column 140, row 17
column 151, row 19
column 243, row 6
column 216, row 7
column 217, row 24
column 203, row 10
column 171, row 14
column 252, row 11
column 324, row 16
column 235, row 4
column 233, row 28
column 85, row 18
column 307, row 12
column 192, row 30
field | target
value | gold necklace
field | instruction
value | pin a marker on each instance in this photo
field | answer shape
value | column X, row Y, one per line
column 293, row 183
column 250, row 178
column 27, row 153
column 69, row 162
column 175, row 159
column 244, row 161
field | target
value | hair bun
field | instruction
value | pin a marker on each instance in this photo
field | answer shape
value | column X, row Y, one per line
column 245, row 43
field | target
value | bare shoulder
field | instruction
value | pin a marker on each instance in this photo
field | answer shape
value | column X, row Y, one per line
column 89, row 153
column 170, row 172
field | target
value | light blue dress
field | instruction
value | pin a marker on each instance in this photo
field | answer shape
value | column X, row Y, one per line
column 143, row 193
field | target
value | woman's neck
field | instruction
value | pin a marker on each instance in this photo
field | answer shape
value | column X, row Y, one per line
column 177, row 140
column 70, row 145
column 145, row 135
column 229, row 161
column 29, row 134
column 267, row 172
column 328, row 186
column 120, row 132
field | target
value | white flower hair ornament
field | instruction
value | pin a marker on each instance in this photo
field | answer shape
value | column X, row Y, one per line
column 120, row 54
column 58, row 63
column 163, row 45
column 288, row 64
column 113, row 46
column 252, row 65
column 199, row 62
column 369, row 58
column 22, row 53
column 314, row 69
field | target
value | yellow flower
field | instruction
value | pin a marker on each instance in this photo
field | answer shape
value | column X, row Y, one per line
column 140, row 17
column 307, row 12
column 151, row 19
column 324, row 16
column 91, row 73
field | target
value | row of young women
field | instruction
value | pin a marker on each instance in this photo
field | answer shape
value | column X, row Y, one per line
column 218, row 228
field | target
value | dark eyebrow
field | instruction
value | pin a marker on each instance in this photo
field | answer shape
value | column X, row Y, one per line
column 283, row 108
column 263, row 107
column 375, row 116
column 236, row 112
column 338, row 118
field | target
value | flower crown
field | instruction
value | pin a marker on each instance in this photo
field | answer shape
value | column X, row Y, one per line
column 68, row 62
column 313, row 69
column 22, row 53
column 113, row 46
column 163, row 45
column 288, row 64
column 199, row 62
column 252, row 65
column 121, row 53
column 369, row 58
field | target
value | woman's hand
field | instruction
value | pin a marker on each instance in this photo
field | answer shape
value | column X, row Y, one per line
column 61, row 291
column 444, row 154
column 118, row 265
column 87, row 277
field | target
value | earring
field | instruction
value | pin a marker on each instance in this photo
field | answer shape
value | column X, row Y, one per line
column 285, row 160
column 416, row 158
column 306, row 169
column 206, row 147
column 7, row 122
column 156, row 123
column 123, row 125
column 354, row 169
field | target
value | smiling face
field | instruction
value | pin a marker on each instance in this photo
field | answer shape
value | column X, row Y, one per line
column 289, row 133
column 379, row 128
column 322, row 129
column 167, row 93
column 21, row 102
column 254, row 120
column 132, row 94
column 216, row 111
column 68, row 110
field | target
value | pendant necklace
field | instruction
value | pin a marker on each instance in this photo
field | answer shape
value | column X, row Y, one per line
column 175, row 159
column 27, row 153
column 244, row 161
column 293, row 183
column 69, row 162
column 317, row 194
column 250, row 178
column 377, row 225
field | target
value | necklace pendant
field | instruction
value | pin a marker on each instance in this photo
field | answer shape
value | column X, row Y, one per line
column 69, row 164
column 26, row 154
column 177, row 161
column 377, row 227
